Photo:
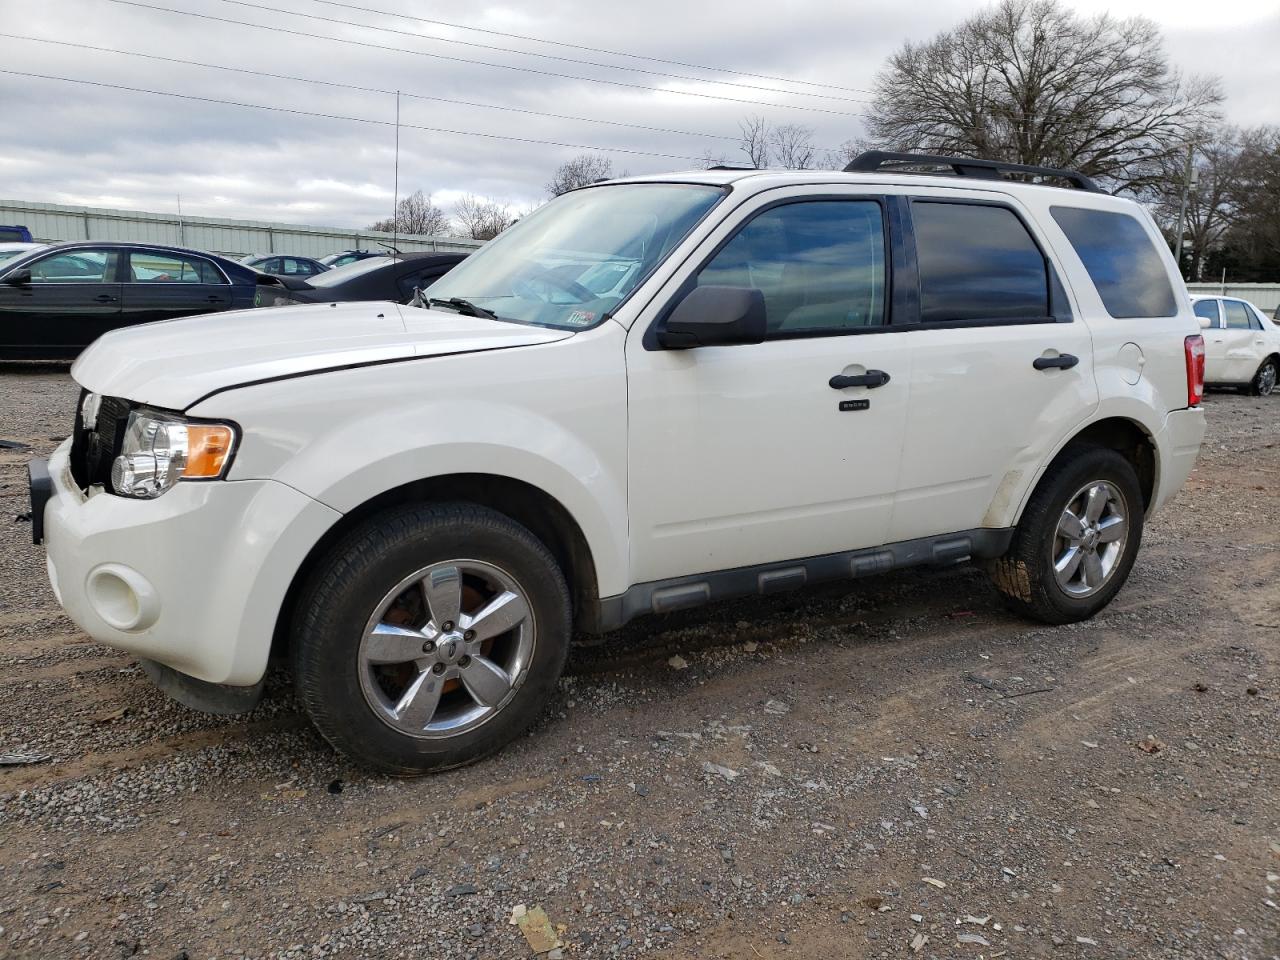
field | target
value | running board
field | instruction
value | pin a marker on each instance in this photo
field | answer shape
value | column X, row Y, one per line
column 683, row 593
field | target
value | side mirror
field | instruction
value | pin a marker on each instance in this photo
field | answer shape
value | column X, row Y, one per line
column 715, row 316
column 19, row 278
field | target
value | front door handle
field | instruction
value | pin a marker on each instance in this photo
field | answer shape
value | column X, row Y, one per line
column 105, row 298
column 872, row 379
column 1063, row 361
column 215, row 299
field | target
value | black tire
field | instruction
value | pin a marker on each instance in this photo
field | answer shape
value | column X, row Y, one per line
column 1262, row 384
column 346, row 587
column 1025, row 574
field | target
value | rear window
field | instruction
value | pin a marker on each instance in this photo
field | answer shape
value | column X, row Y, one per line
column 977, row 262
column 1121, row 261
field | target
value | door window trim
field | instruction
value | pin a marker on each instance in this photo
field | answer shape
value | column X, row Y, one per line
column 126, row 267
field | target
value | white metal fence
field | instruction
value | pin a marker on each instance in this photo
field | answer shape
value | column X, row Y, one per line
column 1264, row 296
column 52, row 222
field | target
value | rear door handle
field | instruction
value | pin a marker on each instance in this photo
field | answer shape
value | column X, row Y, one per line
column 872, row 379
column 1064, row 361
column 105, row 298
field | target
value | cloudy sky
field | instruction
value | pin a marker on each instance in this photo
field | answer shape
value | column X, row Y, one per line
column 72, row 143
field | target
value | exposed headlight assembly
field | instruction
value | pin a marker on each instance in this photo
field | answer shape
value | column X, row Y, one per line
column 160, row 449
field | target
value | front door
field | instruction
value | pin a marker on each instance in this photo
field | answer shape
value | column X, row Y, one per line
column 162, row 285
column 748, row 454
column 73, row 297
column 1000, row 368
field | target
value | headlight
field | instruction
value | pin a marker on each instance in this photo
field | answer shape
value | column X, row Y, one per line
column 160, row 449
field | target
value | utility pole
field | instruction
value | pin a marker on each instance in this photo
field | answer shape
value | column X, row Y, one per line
column 395, row 204
column 1188, row 181
column 182, row 232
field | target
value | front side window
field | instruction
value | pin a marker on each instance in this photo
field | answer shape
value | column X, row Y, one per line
column 573, row 260
column 1206, row 310
column 1121, row 260
column 76, row 266
column 819, row 264
column 977, row 262
column 1236, row 314
column 146, row 266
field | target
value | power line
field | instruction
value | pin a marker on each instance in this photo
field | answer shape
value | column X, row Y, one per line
column 263, row 8
column 589, row 49
column 333, row 116
column 360, row 89
column 483, row 63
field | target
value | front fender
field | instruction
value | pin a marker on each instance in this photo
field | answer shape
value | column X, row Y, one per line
column 551, row 416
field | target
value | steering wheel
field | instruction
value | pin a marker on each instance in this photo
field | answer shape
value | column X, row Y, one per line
column 526, row 290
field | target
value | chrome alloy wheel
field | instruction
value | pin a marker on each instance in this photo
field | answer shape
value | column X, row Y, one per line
column 1090, row 538
column 446, row 649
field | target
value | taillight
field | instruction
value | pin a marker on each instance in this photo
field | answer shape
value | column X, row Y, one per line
column 1194, row 347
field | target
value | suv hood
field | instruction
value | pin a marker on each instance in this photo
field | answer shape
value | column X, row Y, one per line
column 173, row 363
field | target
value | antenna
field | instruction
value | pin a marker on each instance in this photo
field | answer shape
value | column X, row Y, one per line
column 395, row 203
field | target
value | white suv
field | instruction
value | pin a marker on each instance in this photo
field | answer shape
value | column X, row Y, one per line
column 647, row 395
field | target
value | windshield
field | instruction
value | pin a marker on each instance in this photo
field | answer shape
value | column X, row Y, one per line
column 574, row 260
column 331, row 278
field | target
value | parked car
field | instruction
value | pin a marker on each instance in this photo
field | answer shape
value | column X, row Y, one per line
column 285, row 266
column 802, row 376
column 1242, row 347
column 15, row 235
column 10, row 250
column 56, row 300
column 376, row 278
column 343, row 257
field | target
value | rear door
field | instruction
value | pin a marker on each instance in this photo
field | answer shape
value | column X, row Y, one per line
column 161, row 285
column 1001, row 367
column 72, row 299
column 1244, row 344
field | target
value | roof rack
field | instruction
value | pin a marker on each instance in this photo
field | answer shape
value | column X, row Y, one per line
column 873, row 161
column 726, row 166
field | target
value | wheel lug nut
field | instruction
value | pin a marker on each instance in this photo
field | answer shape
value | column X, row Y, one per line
column 447, row 626
column 469, row 635
column 438, row 668
column 465, row 661
column 429, row 646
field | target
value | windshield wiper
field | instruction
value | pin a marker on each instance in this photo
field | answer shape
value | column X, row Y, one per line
column 465, row 307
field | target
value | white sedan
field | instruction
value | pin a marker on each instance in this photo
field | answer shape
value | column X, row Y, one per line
column 1242, row 347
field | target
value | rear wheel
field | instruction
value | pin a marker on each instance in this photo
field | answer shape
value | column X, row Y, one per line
column 1077, row 539
column 1264, row 381
column 430, row 636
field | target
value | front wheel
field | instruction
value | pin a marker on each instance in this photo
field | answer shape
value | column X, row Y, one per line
column 430, row 636
column 1077, row 539
column 1264, row 381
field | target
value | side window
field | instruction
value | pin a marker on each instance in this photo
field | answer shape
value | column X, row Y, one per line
column 977, row 262
column 1207, row 310
column 423, row 280
column 76, row 266
column 1121, row 261
column 1237, row 315
column 820, row 265
column 146, row 266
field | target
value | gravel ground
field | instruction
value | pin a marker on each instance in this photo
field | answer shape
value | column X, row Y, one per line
column 897, row 768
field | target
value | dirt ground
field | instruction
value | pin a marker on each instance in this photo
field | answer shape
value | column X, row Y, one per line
column 896, row 768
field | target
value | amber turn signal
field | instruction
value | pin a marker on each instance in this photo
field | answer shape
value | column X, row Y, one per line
column 208, row 447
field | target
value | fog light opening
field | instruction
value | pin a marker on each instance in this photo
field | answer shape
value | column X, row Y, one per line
column 122, row 597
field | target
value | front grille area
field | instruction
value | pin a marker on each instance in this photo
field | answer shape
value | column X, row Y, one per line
column 94, row 450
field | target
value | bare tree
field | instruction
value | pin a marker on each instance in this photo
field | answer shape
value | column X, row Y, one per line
column 583, row 169
column 1029, row 81
column 1213, row 200
column 839, row 158
column 415, row 215
column 792, row 146
column 712, row 159
column 755, row 140
column 1255, row 228
column 481, row 218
